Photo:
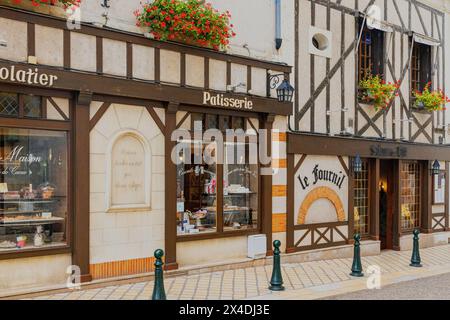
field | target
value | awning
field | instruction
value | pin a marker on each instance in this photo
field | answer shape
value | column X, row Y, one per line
column 379, row 25
column 426, row 40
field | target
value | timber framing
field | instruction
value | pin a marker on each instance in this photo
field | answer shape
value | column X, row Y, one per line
column 401, row 121
column 366, row 148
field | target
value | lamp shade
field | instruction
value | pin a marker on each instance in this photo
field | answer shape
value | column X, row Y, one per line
column 285, row 91
column 436, row 167
column 357, row 164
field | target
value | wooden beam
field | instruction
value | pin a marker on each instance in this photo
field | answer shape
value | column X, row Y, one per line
column 81, row 194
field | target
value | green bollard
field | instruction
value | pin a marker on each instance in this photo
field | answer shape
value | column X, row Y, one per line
column 357, row 266
column 158, row 290
column 415, row 258
column 276, row 283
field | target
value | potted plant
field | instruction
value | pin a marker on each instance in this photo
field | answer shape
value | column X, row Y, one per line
column 191, row 21
column 430, row 100
column 374, row 90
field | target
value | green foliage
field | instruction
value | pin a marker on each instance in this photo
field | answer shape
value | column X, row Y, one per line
column 376, row 91
column 432, row 100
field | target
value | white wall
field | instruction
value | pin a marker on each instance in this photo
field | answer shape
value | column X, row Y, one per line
column 127, row 234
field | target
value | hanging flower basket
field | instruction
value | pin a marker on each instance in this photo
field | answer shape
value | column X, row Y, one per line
column 375, row 91
column 191, row 22
column 430, row 100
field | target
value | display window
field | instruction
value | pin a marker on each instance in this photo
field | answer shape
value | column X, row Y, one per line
column 361, row 199
column 221, row 193
column 410, row 188
column 33, row 189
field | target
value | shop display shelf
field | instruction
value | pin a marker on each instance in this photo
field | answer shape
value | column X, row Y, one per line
column 31, row 222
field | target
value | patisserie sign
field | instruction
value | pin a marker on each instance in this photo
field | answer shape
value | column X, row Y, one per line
column 11, row 163
column 221, row 100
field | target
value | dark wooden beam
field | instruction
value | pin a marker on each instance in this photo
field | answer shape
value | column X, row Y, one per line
column 81, row 190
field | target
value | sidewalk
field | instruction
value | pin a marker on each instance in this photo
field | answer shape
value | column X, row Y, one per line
column 309, row 280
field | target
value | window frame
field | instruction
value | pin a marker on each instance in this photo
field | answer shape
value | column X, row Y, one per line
column 220, row 231
column 419, row 194
column 368, row 165
column 421, row 66
column 50, row 125
column 374, row 52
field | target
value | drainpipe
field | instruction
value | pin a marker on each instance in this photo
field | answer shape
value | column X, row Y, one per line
column 278, row 39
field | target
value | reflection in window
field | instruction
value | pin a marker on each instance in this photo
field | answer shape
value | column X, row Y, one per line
column 33, row 189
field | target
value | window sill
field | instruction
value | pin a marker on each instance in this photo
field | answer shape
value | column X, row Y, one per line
column 216, row 235
column 35, row 252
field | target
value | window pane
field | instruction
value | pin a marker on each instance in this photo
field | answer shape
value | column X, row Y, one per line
column 32, row 106
column 9, row 104
column 196, row 191
column 410, row 195
column 361, row 199
column 240, row 195
column 33, row 189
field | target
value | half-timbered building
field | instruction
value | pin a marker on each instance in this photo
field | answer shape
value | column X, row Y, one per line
column 89, row 102
column 395, row 159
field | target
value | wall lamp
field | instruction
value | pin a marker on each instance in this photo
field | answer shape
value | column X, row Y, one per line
column 435, row 168
column 285, row 91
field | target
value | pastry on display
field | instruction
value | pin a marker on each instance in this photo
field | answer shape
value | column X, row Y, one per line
column 7, row 244
column 10, row 195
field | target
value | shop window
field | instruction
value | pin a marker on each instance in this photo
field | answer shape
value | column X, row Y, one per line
column 410, row 195
column 32, row 106
column 370, row 52
column 9, row 104
column 33, row 189
column 217, row 196
column 361, row 199
column 420, row 66
column 240, row 180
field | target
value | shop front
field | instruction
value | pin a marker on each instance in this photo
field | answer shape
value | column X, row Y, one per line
column 338, row 187
column 91, row 185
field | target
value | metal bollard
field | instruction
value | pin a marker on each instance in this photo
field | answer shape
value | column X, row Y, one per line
column 276, row 282
column 415, row 258
column 357, row 266
column 158, row 290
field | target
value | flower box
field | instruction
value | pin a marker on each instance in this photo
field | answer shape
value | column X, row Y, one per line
column 429, row 100
column 186, row 21
column 419, row 106
column 58, row 9
column 375, row 91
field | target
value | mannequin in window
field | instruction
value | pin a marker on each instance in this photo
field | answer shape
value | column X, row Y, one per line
column 383, row 211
